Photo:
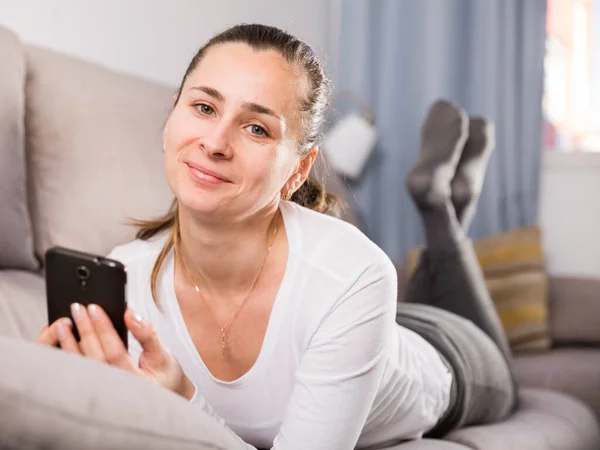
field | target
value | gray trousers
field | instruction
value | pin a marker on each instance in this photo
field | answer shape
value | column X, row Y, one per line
column 438, row 297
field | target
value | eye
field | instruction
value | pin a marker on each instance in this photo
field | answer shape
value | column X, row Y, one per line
column 257, row 130
column 204, row 109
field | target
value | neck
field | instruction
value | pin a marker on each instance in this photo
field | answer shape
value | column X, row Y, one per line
column 225, row 259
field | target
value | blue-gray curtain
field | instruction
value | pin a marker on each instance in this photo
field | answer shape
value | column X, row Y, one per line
column 486, row 55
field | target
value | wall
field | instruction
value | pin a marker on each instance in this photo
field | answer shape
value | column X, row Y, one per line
column 570, row 212
column 154, row 38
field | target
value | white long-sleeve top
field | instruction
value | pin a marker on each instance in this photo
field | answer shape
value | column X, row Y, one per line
column 335, row 371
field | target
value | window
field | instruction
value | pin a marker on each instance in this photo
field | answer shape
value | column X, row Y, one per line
column 571, row 100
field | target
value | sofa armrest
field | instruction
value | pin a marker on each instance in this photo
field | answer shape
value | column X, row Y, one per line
column 574, row 310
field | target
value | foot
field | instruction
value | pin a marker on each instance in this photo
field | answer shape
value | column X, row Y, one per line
column 443, row 136
column 470, row 172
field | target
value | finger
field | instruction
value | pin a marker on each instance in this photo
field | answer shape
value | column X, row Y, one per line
column 46, row 337
column 48, row 334
column 89, row 343
column 114, row 350
column 144, row 332
column 65, row 336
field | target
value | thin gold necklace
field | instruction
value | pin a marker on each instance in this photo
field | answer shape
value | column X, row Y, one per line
column 225, row 328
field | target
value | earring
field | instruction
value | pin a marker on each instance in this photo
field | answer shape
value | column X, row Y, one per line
column 287, row 195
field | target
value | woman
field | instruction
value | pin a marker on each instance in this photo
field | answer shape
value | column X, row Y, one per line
column 275, row 318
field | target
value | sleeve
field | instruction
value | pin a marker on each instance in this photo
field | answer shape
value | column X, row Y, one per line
column 340, row 372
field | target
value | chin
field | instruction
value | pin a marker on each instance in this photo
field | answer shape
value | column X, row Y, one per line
column 198, row 197
column 200, row 202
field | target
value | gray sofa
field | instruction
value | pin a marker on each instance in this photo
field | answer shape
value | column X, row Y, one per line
column 79, row 155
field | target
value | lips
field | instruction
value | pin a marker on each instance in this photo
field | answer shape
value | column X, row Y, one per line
column 206, row 174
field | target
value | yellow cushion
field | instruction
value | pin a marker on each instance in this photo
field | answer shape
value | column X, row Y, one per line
column 514, row 270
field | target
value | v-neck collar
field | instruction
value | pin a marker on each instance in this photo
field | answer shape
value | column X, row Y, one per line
column 275, row 318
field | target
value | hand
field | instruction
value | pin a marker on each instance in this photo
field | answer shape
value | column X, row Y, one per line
column 100, row 341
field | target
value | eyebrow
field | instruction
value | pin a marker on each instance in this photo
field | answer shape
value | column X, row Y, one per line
column 251, row 106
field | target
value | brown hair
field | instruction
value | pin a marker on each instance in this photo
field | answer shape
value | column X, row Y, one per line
column 299, row 55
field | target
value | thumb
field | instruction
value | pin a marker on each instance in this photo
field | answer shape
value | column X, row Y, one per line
column 144, row 332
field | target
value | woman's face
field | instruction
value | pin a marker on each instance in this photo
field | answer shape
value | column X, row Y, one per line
column 230, row 143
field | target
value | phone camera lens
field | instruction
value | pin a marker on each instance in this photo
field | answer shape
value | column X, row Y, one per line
column 83, row 272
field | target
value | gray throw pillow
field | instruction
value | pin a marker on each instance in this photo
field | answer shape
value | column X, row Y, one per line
column 50, row 399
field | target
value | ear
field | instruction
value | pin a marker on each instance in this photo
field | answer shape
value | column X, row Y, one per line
column 303, row 170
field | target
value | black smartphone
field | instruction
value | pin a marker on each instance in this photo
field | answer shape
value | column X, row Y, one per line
column 77, row 277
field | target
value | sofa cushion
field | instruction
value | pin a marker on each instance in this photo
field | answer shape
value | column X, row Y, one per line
column 513, row 265
column 94, row 139
column 83, row 404
column 22, row 304
column 545, row 420
column 575, row 310
column 16, row 237
column 575, row 371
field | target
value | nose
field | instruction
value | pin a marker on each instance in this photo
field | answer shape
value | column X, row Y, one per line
column 217, row 141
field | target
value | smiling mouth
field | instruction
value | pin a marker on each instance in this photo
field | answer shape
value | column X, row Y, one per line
column 205, row 175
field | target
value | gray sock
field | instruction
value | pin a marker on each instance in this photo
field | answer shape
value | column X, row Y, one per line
column 470, row 172
column 443, row 135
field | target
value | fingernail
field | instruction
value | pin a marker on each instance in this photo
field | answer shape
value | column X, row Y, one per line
column 93, row 309
column 76, row 310
column 60, row 330
column 138, row 320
